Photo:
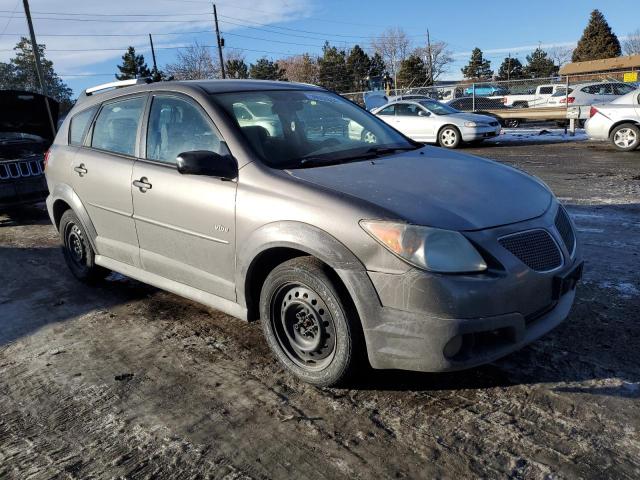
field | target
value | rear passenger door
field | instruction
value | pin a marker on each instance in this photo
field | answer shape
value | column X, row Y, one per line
column 185, row 223
column 101, row 171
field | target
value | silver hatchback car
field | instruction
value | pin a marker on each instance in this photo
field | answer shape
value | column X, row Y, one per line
column 409, row 256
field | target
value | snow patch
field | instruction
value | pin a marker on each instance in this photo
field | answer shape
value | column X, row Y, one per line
column 625, row 289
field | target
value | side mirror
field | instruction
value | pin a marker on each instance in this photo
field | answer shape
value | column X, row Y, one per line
column 422, row 113
column 204, row 162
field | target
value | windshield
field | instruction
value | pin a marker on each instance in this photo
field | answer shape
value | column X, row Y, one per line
column 437, row 107
column 305, row 128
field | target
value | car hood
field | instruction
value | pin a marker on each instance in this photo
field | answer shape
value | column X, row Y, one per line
column 471, row 117
column 438, row 188
column 25, row 112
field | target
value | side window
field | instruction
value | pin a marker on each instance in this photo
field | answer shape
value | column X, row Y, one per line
column 390, row 110
column 116, row 127
column 79, row 125
column 177, row 126
column 407, row 110
column 546, row 90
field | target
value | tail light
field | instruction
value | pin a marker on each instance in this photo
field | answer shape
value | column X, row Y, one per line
column 592, row 111
column 568, row 100
column 46, row 157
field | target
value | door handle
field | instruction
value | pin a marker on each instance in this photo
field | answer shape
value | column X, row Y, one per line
column 81, row 170
column 143, row 184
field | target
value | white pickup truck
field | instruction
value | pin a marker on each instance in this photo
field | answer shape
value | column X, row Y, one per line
column 536, row 98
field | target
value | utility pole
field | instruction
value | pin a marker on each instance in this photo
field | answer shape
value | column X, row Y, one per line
column 36, row 55
column 430, row 54
column 153, row 55
column 220, row 41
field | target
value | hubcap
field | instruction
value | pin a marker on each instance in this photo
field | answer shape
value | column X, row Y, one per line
column 303, row 326
column 75, row 245
column 625, row 137
column 448, row 137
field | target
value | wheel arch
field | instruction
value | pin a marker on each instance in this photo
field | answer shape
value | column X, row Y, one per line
column 622, row 122
column 277, row 242
column 63, row 198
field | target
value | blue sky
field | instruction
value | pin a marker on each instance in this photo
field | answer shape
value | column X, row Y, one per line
column 281, row 27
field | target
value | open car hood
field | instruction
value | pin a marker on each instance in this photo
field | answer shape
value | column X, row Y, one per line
column 26, row 112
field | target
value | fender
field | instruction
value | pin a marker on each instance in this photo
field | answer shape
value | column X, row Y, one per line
column 65, row 193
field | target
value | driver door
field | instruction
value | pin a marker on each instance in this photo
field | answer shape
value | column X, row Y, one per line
column 185, row 223
column 414, row 121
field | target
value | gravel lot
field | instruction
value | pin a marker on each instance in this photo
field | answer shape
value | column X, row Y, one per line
column 125, row 381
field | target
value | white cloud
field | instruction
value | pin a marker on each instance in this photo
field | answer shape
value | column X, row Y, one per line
column 194, row 15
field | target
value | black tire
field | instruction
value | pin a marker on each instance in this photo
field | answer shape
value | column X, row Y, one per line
column 368, row 137
column 521, row 105
column 449, row 137
column 625, row 137
column 310, row 329
column 78, row 254
column 512, row 123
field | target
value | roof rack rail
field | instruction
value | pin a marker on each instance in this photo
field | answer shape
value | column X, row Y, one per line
column 118, row 84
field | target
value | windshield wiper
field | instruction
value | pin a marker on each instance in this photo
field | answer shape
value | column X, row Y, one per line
column 386, row 150
column 373, row 152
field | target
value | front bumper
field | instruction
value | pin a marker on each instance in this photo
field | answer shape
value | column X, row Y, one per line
column 435, row 322
column 469, row 134
column 21, row 191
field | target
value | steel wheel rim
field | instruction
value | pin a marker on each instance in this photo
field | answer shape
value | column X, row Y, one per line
column 75, row 245
column 448, row 137
column 304, row 327
column 625, row 137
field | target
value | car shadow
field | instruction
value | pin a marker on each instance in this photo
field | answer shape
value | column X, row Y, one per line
column 24, row 215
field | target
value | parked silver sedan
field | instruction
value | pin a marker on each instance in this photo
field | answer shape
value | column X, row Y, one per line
column 618, row 122
column 430, row 121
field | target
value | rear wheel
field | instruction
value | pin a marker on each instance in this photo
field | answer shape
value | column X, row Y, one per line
column 312, row 332
column 78, row 254
column 626, row 137
column 512, row 123
column 449, row 137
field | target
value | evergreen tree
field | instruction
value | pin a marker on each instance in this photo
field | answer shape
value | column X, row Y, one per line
column 510, row 69
column 539, row 65
column 412, row 72
column 478, row 68
column 19, row 73
column 334, row 74
column 598, row 40
column 358, row 64
column 236, row 68
column 265, row 69
column 133, row 66
column 377, row 67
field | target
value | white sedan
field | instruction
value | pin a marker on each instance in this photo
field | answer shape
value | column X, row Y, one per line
column 618, row 122
column 430, row 121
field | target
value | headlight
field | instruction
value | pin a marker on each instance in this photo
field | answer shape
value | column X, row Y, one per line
column 470, row 124
column 428, row 248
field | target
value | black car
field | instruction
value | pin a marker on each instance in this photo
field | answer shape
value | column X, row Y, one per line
column 484, row 106
column 25, row 136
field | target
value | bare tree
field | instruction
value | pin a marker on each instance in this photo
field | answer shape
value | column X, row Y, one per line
column 300, row 68
column 632, row 43
column 436, row 59
column 194, row 62
column 393, row 47
column 560, row 55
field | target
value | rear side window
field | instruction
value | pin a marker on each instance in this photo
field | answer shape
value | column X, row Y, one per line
column 116, row 127
column 79, row 125
column 546, row 90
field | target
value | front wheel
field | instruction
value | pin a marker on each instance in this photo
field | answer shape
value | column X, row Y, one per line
column 512, row 123
column 449, row 137
column 311, row 331
column 368, row 137
column 625, row 137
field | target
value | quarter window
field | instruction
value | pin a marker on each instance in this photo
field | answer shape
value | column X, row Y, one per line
column 116, row 127
column 177, row 126
column 79, row 125
column 390, row 110
column 546, row 90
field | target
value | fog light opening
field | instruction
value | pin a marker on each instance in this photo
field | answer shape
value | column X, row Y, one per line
column 453, row 347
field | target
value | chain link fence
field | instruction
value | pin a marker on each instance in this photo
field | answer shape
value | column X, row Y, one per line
column 531, row 99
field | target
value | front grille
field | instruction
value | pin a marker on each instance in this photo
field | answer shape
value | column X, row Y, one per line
column 563, row 225
column 535, row 248
column 26, row 168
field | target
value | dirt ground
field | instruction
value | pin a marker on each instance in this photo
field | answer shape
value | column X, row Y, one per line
column 125, row 381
